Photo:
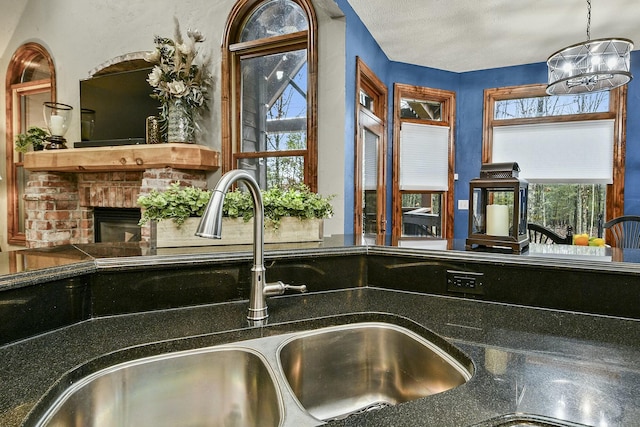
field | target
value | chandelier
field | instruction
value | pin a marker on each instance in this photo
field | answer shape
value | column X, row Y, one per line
column 590, row 66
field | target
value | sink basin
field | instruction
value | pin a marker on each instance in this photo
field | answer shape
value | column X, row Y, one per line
column 192, row 388
column 292, row 378
column 526, row 420
column 339, row 371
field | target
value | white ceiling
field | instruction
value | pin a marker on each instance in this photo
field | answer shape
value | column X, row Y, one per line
column 465, row 35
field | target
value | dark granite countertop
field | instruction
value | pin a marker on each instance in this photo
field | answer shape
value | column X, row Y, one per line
column 551, row 362
column 577, row 367
column 31, row 266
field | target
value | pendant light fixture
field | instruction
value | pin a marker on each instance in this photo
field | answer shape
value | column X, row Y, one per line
column 590, row 66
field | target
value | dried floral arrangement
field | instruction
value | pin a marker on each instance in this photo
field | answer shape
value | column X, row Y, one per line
column 176, row 75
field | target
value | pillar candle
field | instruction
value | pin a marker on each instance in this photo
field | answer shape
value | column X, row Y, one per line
column 56, row 125
column 497, row 220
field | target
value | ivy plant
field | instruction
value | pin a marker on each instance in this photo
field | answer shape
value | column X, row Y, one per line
column 176, row 203
column 297, row 201
column 179, row 203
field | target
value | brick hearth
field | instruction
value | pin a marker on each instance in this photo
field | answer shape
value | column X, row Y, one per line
column 65, row 186
column 59, row 205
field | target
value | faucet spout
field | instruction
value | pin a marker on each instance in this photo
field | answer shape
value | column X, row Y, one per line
column 211, row 227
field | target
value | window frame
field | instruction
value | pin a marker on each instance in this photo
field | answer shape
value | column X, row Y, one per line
column 447, row 99
column 233, row 52
column 14, row 88
column 617, row 112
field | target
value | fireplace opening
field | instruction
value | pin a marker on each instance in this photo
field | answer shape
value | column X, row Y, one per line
column 116, row 225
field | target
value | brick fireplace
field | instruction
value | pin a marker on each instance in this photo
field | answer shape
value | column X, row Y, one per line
column 63, row 190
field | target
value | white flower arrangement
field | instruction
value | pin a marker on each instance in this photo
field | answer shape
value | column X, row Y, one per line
column 176, row 76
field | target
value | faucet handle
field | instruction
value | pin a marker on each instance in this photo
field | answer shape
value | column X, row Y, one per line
column 279, row 288
column 301, row 288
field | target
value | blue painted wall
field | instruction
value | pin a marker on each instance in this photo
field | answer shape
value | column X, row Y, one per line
column 469, row 88
column 469, row 103
column 632, row 160
column 359, row 43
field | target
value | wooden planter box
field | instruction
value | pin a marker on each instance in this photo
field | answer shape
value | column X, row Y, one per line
column 235, row 231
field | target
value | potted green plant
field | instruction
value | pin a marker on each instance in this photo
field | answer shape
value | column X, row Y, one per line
column 292, row 215
column 34, row 137
column 295, row 202
column 176, row 203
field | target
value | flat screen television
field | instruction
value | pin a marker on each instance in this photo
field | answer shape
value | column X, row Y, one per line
column 122, row 103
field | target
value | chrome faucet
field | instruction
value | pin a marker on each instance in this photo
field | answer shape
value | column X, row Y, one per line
column 211, row 227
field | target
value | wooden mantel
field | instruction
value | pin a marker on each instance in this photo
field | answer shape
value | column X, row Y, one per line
column 124, row 158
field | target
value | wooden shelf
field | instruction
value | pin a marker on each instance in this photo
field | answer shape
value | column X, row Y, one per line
column 124, row 158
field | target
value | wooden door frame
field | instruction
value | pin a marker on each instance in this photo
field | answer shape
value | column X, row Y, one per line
column 367, row 80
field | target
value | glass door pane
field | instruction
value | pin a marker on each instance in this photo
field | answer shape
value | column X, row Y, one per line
column 422, row 215
column 370, row 180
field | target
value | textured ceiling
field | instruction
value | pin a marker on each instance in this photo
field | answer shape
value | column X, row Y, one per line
column 465, row 35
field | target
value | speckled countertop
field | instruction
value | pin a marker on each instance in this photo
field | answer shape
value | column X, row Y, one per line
column 570, row 366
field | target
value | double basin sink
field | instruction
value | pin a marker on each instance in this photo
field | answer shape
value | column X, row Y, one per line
column 294, row 379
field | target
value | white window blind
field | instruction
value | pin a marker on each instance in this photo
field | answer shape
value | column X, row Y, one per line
column 370, row 160
column 569, row 152
column 424, row 157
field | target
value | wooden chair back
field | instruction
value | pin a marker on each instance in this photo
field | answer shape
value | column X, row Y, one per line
column 625, row 230
column 540, row 234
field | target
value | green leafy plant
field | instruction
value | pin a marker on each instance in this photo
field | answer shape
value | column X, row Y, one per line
column 179, row 203
column 34, row 137
column 176, row 203
column 297, row 201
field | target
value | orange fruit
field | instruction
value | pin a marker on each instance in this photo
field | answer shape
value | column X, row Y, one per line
column 581, row 240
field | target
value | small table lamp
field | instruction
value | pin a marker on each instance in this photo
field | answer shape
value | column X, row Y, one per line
column 57, row 116
column 498, row 208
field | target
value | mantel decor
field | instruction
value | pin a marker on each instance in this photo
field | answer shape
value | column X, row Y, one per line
column 57, row 116
column 34, row 138
column 590, row 66
column 498, row 208
column 179, row 83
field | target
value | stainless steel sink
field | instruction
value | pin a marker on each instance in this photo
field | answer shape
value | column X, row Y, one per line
column 339, row 371
column 214, row 387
column 293, row 379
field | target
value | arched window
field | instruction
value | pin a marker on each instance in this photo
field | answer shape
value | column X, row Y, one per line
column 30, row 82
column 269, row 86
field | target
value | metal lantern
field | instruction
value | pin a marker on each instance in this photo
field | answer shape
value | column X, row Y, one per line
column 498, row 208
